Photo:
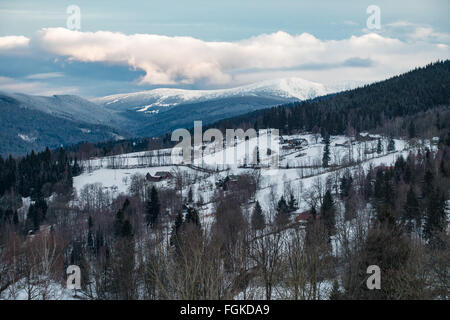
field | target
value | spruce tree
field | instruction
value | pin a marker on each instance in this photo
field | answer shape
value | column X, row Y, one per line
column 90, row 236
column 292, row 205
column 118, row 223
column 36, row 214
column 385, row 216
column 345, row 185
column 192, row 217
column 335, row 293
column 176, row 228
column 328, row 212
column 258, row 159
column 282, row 215
column 379, row 147
column 127, row 230
column 153, row 208
column 122, row 226
column 257, row 220
column 391, row 145
column 435, row 218
column 326, row 152
column 411, row 211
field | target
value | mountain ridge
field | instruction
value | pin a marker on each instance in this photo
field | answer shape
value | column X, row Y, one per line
column 148, row 113
column 292, row 88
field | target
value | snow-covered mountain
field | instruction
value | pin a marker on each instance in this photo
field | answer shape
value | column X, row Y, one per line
column 161, row 110
column 71, row 119
column 35, row 122
column 70, row 107
column 152, row 101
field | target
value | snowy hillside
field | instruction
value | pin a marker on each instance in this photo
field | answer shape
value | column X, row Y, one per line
column 299, row 166
column 69, row 107
column 300, row 174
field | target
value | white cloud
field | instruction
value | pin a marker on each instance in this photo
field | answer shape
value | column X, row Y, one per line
column 401, row 23
column 172, row 60
column 43, row 76
column 417, row 32
column 427, row 33
column 12, row 42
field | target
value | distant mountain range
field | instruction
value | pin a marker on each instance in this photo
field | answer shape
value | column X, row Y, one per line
column 152, row 101
column 154, row 112
column 34, row 122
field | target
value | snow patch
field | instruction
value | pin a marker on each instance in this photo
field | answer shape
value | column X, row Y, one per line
column 26, row 138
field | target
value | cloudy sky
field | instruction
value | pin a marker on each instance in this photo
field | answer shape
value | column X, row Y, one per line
column 132, row 45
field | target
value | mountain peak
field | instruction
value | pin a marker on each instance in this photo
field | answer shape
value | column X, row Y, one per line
column 287, row 89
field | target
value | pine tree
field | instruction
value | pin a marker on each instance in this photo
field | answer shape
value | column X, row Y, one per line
column 122, row 226
column 90, row 236
column 379, row 147
column 346, row 185
column 383, row 190
column 326, row 152
column 153, row 208
column 335, row 293
column 36, row 214
column 126, row 205
column 258, row 159
column 76, row 169
column 192, row 217
column 435, row 218
column 282, row 215
column 118, row 223
column 176, row 228
column 391, row 145
column 327, row 212
column 127, row 230
column 385, row 216
column 292, row 205
column 257, row 220
column 411, row 210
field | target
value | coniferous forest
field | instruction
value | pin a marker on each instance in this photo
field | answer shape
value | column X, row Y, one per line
column 410, row 104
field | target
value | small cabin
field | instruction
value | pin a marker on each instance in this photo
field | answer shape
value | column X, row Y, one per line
column 305, row 216
column 159, row 176
column 164, row 175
